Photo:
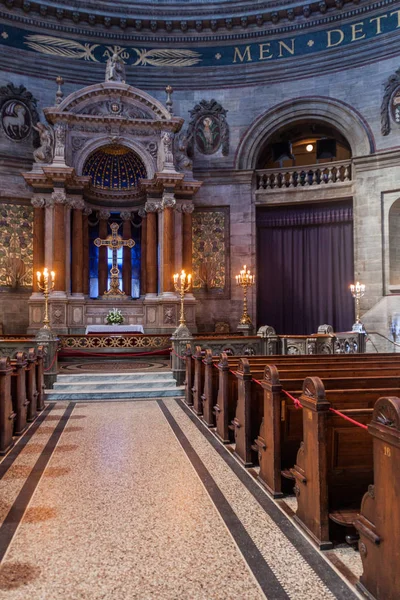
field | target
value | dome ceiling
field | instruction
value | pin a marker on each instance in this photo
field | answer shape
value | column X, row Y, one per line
column 115, row 168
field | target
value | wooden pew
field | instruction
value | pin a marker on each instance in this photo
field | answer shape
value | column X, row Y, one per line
column 31, row 387
column 198, row 379
column 334, row 463
column 282, row 424
column 18, row 392
column 209, row 396
column 7, row 414
column 189, row 373
column 40, row 378
column 379, row 520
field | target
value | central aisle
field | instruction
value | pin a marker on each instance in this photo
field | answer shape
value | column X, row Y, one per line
column 136, row 503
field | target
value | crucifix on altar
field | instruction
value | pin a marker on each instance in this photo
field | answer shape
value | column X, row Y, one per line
column 115, row 242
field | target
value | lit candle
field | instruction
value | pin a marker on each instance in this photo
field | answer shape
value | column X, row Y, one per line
column 38, row 275
column 45, row 274
column 176, row 275
column 189, row 278
column 53, row 276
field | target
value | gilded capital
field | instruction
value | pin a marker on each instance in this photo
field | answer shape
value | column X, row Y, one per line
column 152, row 206
column 125, row 215
column 168, row 200
column 187, row 208
column 59, row 196
column 76, row 203
column 38, row 201
column 104, row 215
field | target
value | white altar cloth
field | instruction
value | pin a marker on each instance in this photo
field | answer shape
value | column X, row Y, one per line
column 114, row 329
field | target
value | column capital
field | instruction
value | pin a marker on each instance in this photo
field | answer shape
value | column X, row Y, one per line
column 104, row 215
column 187, row 208
column 152, row 206
column 76, row 203
column 38, row 201
column 125, row 215
column 87, row 211
column 168, row 199
column 59, row 196
column 142, row 213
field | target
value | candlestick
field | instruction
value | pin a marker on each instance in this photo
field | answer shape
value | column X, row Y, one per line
column 357, row 291
column 245, row 280
column 46, row 287
column 182, row 287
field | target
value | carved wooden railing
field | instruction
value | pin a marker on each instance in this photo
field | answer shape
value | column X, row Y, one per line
column 117, row 341
column 304, row 177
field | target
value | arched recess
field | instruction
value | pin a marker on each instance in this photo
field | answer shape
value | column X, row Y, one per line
column 80, row 157
column 325, row 110
column 394, row 247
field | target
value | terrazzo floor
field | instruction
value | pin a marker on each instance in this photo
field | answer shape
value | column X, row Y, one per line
column 136, row 500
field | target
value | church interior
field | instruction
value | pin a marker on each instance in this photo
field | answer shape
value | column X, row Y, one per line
column 199, row 300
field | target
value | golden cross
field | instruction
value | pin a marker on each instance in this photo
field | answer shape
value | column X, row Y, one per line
column 115, row 242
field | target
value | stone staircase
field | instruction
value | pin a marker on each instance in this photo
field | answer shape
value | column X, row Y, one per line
column 114, row 386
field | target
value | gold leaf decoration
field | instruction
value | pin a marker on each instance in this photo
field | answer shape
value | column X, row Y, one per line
column 167, row 57
column 53, row 46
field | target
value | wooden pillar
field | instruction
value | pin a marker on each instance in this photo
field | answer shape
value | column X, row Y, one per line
column 77, row 247
column 103, row 266
column 168, row 242
column 59, row 198
column 126, row 254
column 187, row 210
column 143, row 259
column 38, row 238
column 151, row 250
column 85, row 258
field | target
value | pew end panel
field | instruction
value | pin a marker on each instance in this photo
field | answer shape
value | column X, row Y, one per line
column 210, row 385
column 31, row 389
column 225, row 406
column 378, row 523
column 198, row 380
column 40, row 354
column 248, row 415
column 7, row 413
column 189, row 376
column 18, row 392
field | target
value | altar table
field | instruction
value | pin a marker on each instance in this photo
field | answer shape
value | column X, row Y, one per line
column 114, row 329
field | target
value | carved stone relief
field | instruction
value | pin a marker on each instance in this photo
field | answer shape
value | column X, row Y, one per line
column 18, row 112
column 390, row 108
column 208, row 129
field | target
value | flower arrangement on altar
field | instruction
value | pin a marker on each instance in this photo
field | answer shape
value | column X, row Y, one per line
column 115, row 317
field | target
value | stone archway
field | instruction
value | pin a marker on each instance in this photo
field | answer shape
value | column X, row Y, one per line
column 325, row 110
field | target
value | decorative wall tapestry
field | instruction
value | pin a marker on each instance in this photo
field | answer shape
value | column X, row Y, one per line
column 211, row 267
column 390, row 107
column 18, row 112
column 16, row 245
column 208, row 129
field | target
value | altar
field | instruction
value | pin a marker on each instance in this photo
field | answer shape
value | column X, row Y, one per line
column 114, row 329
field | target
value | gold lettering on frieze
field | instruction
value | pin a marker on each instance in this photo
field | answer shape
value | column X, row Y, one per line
column 286, row 47
column 334, row 42
column 241, row 57
column 378, row 23
column 265, row 51
column 396, row 12
column 355, row 31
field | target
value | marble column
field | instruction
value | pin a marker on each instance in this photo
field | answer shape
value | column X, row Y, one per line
column 126, row 254
column 77, row 206
column 143, row 252
column 38, row 238
column 151, row 248
column 168, row 254
column 187, row 210
column 85, row 258
column 103, row 266
column 59, row 254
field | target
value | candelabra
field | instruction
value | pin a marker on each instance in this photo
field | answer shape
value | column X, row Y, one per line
column 46, row 285
column 357, row 291
column 182, row 285
column 245, row 280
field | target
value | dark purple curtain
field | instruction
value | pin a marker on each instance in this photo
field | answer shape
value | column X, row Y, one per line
column 305, row 267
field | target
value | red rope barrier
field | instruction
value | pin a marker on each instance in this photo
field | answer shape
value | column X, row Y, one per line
column 337, row 412
column 52, row 363
column 296, row 401
column 178, row 355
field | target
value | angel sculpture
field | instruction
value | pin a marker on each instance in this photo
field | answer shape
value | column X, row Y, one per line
column 115, row 69
column 44, row 154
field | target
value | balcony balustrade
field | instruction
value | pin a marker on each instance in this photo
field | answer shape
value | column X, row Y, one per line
column 303, row 177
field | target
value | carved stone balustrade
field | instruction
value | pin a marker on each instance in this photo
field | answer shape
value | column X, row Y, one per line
column 325, row 174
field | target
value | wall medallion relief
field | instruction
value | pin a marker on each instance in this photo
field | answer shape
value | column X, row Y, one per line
column 390, row 108
column 18, row 112
column 208, row 129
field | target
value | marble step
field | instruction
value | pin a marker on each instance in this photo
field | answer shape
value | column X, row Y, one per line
column 105, row 386
column 96, row 396
column 108, row 377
